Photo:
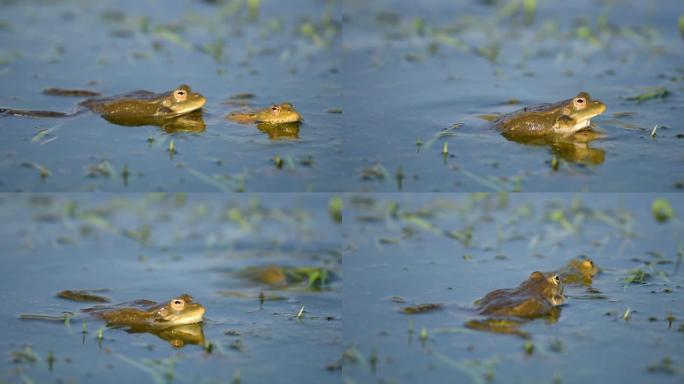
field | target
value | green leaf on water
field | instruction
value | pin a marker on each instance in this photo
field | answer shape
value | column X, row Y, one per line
column 649, row 93
column 662, row 210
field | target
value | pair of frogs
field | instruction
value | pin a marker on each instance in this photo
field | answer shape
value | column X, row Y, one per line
column 180, row 107
column 540, row 296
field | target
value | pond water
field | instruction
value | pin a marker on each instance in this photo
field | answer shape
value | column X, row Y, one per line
column 156, row 247
column 431, row 68
column 274, row 51
column 453, row 249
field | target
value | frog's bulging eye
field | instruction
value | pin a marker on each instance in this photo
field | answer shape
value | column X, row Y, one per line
column 275, row 109
column 580, row 103
column 557, row 279
column 178, row 304
column 181, row 95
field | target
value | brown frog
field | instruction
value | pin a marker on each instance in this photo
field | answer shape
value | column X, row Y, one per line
column 181, row 310
column 535, row 297
column 133, row 109
column 178, row 321
column 563, row 118
column 507, row 309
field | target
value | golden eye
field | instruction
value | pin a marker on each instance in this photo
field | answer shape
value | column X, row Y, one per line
column 177, row 304
column 557, row 279
column 181, row 95
column 580, row 103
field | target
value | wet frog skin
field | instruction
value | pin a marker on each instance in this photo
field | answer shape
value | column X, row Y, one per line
column 275, row 114
column 507, row 309
column 144, row 104
column 135, row 108
column 535, row 297
column 561, row 119
column 181, row 310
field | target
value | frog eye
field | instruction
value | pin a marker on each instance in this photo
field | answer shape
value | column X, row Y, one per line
column 178, row 304
column 275, row 108
column 180, row 94
column 579, row 102
column 557, row 279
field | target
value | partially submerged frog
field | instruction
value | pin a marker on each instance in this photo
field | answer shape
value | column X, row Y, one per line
column 578, row 271
column 178, row 321
column 135, row 108
column 535, row 297
column 275, row 114
column 563, row 119
column 506, row 309
column 181, row 310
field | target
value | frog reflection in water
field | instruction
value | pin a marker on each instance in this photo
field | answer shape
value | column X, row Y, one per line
column 176, row 110
column 564, row 126
column 279, row 121
column 177, row 321
column 539, row 296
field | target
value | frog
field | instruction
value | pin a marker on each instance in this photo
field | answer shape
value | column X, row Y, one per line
column 177, row 321
column 180, row 310
column 578, row 271
column 561, row 119
column 540, row 296
column 275, row 114
column 132, row 109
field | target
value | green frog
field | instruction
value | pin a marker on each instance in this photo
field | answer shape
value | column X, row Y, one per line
column 178, row 321
column 541, row 295
column 578, row 271
column 275, row 114
column 181, row 310
column 562, row 119
column 133, row 109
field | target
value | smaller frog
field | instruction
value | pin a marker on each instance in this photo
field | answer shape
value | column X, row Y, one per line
column 275, row 114
column 564, row 118
column 578, row 271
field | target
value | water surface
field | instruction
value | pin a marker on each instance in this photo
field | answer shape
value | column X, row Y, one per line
column 453, row 249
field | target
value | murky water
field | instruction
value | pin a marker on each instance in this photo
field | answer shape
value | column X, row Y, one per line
column 397, row 99
column 430, row 66
column 289, row 53
column 156, row 247
column 453, row 249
